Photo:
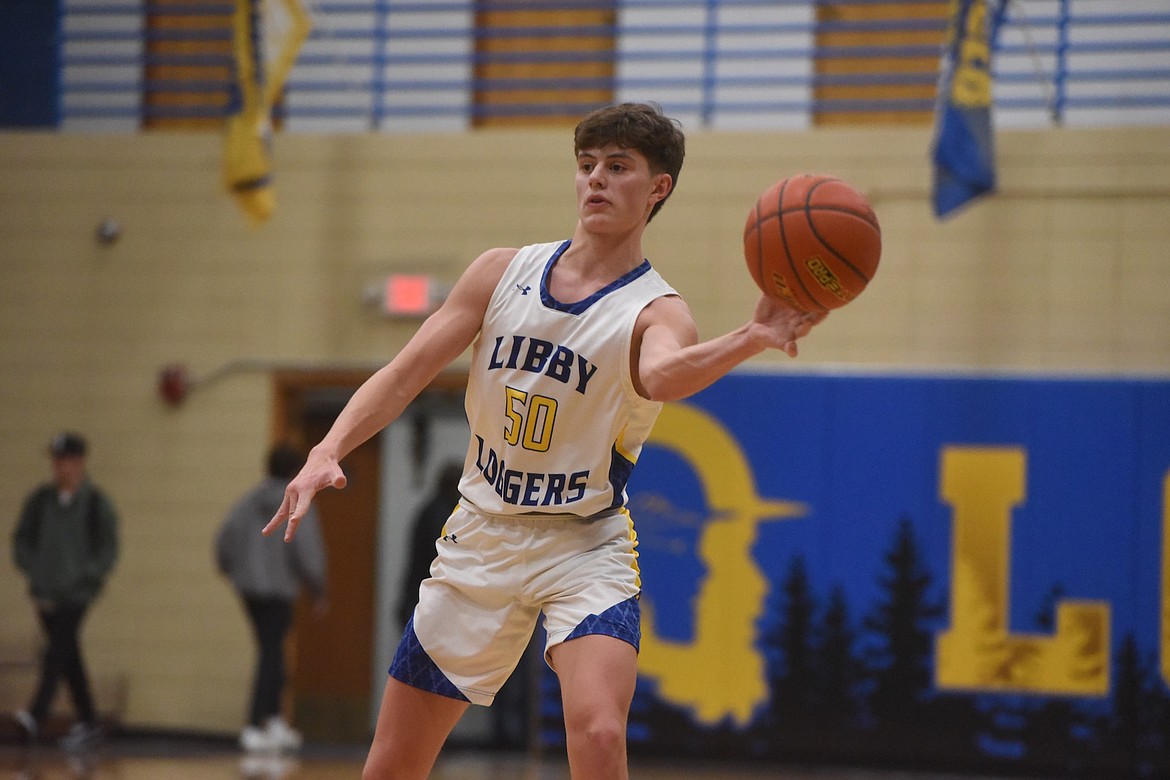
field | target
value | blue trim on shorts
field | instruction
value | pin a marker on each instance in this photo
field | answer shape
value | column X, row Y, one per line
column 620, row 469
column 622, row 621
column 412, row 665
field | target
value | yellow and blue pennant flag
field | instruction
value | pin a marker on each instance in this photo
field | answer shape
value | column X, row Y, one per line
column 963, row 150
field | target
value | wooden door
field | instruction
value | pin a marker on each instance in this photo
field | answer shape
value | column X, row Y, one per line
column 330, row 679
column 330, row 693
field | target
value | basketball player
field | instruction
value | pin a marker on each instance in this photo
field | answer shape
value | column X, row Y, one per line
column 576, row 344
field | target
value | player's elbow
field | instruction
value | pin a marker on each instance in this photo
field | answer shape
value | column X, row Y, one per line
column 663, row 389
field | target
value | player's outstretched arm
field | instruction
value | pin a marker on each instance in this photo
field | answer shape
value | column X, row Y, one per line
column 383, row 397
column 671, row 363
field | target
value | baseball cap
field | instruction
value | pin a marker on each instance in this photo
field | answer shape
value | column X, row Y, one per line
column 67, row 444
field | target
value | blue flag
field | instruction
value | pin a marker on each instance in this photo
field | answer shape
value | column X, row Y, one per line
column 963, row 154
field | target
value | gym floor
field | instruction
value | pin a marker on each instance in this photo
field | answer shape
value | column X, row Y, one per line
column 174, row 758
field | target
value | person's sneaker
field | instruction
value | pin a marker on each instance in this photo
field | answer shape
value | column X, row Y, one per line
column 283, row 736
column 270, row 766
column 28, row 726
column 81, row 737
column 256, row 740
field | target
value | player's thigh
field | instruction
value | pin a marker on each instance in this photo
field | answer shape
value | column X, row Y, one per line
column 412, row 726
column 597, row 674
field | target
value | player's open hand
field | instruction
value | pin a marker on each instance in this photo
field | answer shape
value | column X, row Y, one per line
column 318, row 473
column 783, row 324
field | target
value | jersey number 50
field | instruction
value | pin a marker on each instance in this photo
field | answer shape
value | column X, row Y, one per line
column 531, row 417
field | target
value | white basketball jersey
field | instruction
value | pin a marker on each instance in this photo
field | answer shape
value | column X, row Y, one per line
column 556, row 424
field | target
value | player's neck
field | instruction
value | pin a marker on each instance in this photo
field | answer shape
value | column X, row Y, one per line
column 604, row 255
column 591, row 263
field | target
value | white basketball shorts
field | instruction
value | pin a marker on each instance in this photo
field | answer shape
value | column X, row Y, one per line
column 494, row 575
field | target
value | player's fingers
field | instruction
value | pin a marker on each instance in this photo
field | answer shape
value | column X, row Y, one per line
column 290, row 530
column 294, row 516
column 278, row 518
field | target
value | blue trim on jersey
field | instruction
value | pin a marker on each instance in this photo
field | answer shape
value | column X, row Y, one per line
column 621, row 621
column 412, row 665
column 581, row 306
column 620, row 468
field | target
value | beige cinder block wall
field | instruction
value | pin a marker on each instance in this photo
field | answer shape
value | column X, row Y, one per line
column 1066, row 271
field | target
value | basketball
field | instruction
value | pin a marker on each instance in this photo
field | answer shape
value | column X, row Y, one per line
column 813, row 241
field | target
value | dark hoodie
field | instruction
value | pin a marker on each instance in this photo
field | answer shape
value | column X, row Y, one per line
column 66, row 550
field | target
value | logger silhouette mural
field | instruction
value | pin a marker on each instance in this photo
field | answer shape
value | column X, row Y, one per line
column 933, row 569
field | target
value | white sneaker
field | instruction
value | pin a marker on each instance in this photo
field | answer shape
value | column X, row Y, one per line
column 273, row 766
column 81, row 737
column 282, row 735
column 28, row 725
column 257, row 740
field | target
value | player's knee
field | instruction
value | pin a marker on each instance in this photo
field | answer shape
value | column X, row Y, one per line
column 603, row 735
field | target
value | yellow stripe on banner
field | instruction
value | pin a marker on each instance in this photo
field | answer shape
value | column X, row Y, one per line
column 247, row 168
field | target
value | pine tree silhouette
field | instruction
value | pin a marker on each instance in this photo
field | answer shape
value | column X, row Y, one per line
column 839, row 673
column 900, row 662
column 910, row 721
column 1053, row 728
column 792, row 680
column 1132, row 740
column 812, row 673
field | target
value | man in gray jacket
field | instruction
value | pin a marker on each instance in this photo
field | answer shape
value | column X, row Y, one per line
column 268, row 575
column 65, row 543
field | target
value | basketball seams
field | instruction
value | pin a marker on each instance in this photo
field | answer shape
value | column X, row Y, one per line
column 807, row 223
column 796, row 272
column 759, row 248
column 756, row 263
column 863, row 216
column 867, row 214
column 824, row 242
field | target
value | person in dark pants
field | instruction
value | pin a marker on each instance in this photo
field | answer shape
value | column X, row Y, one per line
column 66, row 544
column 511, row 710
column 428, row 526
column 268, row 577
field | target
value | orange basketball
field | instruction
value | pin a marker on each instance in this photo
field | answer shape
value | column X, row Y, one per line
column 812, row 240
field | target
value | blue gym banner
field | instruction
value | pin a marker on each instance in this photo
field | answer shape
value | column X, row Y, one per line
column 963, row 152
column 959, row 572
column 30, row 64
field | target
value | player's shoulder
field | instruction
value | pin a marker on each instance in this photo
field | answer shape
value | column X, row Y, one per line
column 670, row 305
column 497, row 257
column 670, row 311
column 487, row 269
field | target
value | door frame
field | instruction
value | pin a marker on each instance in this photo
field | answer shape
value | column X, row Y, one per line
column 292, row 391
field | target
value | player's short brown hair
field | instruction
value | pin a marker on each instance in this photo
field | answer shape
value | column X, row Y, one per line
column 639, row 126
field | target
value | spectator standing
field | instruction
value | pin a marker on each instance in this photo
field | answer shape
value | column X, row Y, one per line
column 66, row 545
column 427, row 528
column 268, row 577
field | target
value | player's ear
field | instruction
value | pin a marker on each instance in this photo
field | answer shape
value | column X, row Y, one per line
column 663, row 184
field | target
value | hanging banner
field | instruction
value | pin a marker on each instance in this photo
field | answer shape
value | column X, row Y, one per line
column 247, row 160
column 963, row 154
